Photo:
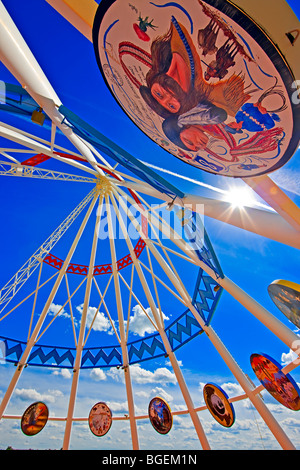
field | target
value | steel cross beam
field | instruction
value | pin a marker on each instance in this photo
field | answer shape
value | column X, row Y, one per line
column 19, row 60
column 15, row 169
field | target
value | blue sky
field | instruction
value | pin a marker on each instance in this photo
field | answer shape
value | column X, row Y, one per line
column 31, row 210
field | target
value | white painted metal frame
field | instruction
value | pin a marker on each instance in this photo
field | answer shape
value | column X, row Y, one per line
column 26, row 171
column 267, row 416
column 115, row 193
column 130, row 401
column 80, row 341
column 275, row 325
column 38, row 326
column 160, row 328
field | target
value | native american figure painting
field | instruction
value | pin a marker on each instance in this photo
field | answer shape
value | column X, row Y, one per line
column 200, row 86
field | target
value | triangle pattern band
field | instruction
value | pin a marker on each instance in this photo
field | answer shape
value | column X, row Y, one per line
column 182, row 330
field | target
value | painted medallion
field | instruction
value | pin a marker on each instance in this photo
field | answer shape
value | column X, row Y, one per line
column 160, row 415
column 286, row 296
column 281, row 386
column 34, row 418
column 218, row 405
column 100, row 419
column 202, row 80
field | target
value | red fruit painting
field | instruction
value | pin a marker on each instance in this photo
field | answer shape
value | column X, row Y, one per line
column 141, row 28
column 141, row 34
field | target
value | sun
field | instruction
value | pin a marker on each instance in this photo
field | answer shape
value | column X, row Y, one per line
column 240, row 197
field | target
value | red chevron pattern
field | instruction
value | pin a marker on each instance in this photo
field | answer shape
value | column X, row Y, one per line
column 53, row 261
column 82, row 269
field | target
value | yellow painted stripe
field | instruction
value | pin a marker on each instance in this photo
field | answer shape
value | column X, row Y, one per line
column 284, row 283
column 79, row 13
column 85, row 9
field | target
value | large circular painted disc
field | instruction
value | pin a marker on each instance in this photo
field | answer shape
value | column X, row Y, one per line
column 202, row 80
column 160, row 415
column 34, row 418
column 218, row 405
column 100, row 419
column 286, row 296
column 281, row 386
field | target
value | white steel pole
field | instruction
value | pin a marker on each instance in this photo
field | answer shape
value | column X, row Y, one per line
column 43, row 315
column 180, row 379
column 256, row 400
column 286, row 335
column 265, row 223
column 265, row 187
column 261, row 222
column 80, row 342
column 233, row 366
column 18, row 58
column 128, row 384
column 22, row 275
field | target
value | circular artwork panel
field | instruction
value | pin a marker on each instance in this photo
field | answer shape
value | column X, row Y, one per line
column 34, row 418
column 286, row 296
column 217, row 403
column 100, row 419
column 282, row 387
column 202, row 80
column 160, row 415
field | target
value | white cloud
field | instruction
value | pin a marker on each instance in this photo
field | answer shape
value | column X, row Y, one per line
column 55, row 308
column 183, row 423
column 160, row 375
column 159, row 391
column 286, row 358
column 117, row 407
column 98, row 375
column 65, row 373
column 144, row 376
column 32, row 394
column 101, row 322
column 168, row 363
column 142, row 394
column 291, row 423
column 232, row 389
column 139, row 323
column 292, row 356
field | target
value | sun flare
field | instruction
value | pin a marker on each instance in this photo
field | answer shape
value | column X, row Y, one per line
column 240, row 197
